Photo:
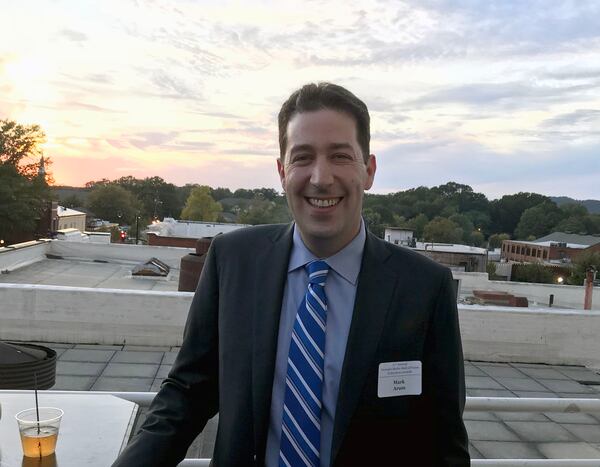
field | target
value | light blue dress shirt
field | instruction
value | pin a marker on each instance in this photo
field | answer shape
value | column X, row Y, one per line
column 340, row 289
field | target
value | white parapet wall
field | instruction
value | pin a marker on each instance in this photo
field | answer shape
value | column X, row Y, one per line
column 115, row 252
column 107, row 316
column 565, row 296
column 43, row 313
column 503, row 334
column 23, row 254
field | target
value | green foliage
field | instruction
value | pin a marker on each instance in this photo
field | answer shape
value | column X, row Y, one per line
column 490, row 268
column 22, row 202
column 532, row 272
column 20, row 146
column 476, row 239
column 71, row 201
column 538, row 220
column 418, row 224
column 200, row 206
column 264, row 211
column 506, row 212
column 442, row 230
column 495, row 240
column 581, row 263
column 113, row 203
column 373, row 220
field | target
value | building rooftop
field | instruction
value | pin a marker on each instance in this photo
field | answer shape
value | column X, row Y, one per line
column 89, row 274
column 66, row 212
column 548, row 243
column 450, row 248
column 491, row 434
column 587, row 240
column 170, row 227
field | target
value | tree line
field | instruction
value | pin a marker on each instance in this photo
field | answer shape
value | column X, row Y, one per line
column 449, row 213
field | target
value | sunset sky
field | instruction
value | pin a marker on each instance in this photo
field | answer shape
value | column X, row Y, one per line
column 501, row 95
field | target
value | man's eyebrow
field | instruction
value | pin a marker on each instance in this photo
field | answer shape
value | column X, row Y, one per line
column 341, row 146
column 301, row 147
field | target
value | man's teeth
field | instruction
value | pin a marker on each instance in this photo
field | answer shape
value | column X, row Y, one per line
column 323, row 203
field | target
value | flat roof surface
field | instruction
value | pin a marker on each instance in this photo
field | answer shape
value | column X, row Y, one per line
column 74, row 273
column 492, row 435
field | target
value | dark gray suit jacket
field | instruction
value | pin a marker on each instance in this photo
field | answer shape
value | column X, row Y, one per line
column 405, row 309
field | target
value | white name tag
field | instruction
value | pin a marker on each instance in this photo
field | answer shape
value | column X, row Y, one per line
column 399, row 379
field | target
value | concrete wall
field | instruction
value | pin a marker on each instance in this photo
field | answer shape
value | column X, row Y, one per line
column 119, row 252
column 565, row 296
column 40, row 313
column 25, row 253
column 108, row 316
column 560, row 337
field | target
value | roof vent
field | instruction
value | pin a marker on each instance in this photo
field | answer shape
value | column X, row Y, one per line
column 152, row 267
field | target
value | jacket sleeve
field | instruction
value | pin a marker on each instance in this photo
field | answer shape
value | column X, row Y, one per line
column 445, row 370
column 188, row 398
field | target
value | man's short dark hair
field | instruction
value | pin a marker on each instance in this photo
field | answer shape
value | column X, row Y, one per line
column 312, row 97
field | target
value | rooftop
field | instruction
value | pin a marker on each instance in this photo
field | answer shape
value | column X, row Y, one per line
column 587, row 240
column 450, row 248
column 113, row 332
column 170, row 227
column 491, row 434
column 66, row 212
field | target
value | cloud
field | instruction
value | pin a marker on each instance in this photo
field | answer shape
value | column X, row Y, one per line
column 432, row 163
column 574, row 118
column 72, row 35
column 507, row 94
column 173, row 85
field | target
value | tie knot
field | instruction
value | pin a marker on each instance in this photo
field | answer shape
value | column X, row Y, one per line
column 317, row 272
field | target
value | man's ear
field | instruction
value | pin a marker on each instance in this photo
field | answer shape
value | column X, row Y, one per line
column 281, row 170
column 371, row 169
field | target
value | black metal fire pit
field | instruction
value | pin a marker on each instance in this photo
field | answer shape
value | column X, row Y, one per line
column 21, row 364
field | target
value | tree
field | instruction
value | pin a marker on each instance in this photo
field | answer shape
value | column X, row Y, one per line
column 417, row 224
column 23, row 194
column 373, row 220
column 495, row 240
column 581, row 263
column 476, row 239
column 263, row 211
column 114, row 203
column 20, row 146
column 442, row 230
column 507, row 211
column 22, row 202
column 538, row 220
column 200, row 206
column 465, row 224
column 532, row 272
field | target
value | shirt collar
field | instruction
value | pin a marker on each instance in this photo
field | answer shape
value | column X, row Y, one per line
column 345, row 262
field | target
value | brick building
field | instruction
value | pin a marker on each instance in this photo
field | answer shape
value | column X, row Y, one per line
column 558, row 247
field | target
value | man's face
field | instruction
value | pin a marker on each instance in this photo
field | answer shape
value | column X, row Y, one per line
column 324, row 176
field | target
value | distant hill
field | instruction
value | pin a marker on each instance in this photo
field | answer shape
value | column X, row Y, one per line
column 592, row 205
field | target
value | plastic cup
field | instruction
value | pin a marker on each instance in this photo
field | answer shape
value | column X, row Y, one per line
column 38, row 438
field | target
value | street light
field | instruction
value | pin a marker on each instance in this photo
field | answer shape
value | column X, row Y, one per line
column 560, row 279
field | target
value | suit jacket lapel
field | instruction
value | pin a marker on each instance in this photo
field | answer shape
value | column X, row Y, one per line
column 270, row 275
column 376, row 285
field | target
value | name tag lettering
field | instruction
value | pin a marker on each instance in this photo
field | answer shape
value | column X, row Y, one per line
column 399, row 379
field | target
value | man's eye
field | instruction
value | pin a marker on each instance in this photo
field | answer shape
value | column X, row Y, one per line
column 343, row 156
column 300, row 158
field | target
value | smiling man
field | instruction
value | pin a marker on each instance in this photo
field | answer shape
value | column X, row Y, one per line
column 317, row 343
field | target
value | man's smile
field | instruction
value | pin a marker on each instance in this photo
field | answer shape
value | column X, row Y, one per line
column 323, row 202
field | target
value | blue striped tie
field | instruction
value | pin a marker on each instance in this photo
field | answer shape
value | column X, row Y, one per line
column 301, row 426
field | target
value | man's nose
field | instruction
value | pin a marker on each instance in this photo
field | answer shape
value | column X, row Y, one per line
column 322, row 173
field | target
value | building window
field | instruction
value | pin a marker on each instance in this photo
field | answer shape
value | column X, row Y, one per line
column 545, row 254
column 512, row 249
